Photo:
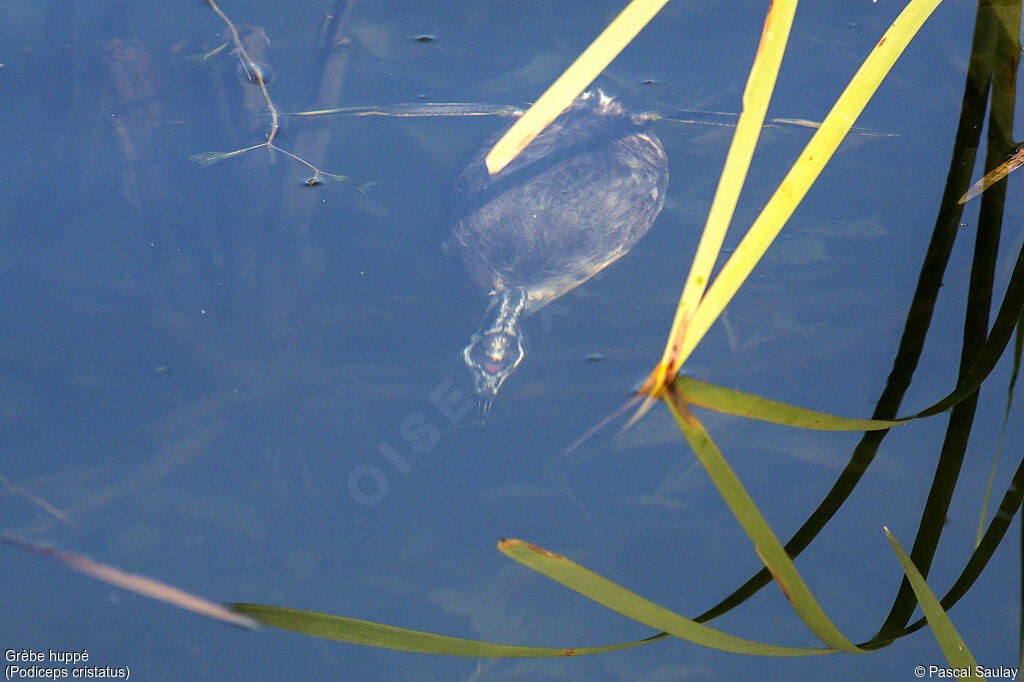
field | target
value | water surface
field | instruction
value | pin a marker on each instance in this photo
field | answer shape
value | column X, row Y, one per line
column 231, row 381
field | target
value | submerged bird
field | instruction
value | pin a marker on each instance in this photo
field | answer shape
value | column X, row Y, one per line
column 573, row 202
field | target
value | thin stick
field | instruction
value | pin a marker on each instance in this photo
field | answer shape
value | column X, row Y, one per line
column 255, row 73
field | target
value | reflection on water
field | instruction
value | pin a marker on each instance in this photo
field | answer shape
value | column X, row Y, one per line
column 251, row 389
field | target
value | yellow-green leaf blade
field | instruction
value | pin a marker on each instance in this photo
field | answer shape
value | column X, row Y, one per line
column 632, row 605
column 741, row 404
column 767, row 545
column 949, row 639
column 756, row 96
column 572, row 82
column 368, row 633
column 806, row 170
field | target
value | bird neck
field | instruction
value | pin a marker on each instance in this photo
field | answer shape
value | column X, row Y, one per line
column 504, row 311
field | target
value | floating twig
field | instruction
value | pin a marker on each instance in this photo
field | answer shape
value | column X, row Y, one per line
column 256, row 74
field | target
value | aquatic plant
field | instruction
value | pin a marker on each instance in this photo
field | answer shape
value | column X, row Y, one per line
column 700, row 304
column 703, row 299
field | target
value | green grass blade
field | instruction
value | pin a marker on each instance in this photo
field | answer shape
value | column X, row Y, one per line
column 919, row 316
column 756, row 96
column 1018, row 347
column 993, row 538
column 1005, row 50
column 741, row 404
column 805, row 171
column 571, row 83
column 768, row 547
column 632, row 605
column 949, row 639
column 368, row 633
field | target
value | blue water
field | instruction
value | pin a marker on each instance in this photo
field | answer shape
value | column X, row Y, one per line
column 252, row 389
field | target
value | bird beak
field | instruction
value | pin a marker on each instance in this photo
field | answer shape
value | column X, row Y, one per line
column 484, row 400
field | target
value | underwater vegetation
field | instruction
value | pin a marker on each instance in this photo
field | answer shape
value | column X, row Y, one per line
column 565, row 192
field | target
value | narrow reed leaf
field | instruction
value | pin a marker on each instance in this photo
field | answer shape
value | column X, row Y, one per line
column 949, row 639
column 726, row 400
column 368, row 633
column 573, row 81
column 1018, row 348
column 756, row 97
column 804, row 172
column 632, row 605
column 133, row 582
column 766, row 544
